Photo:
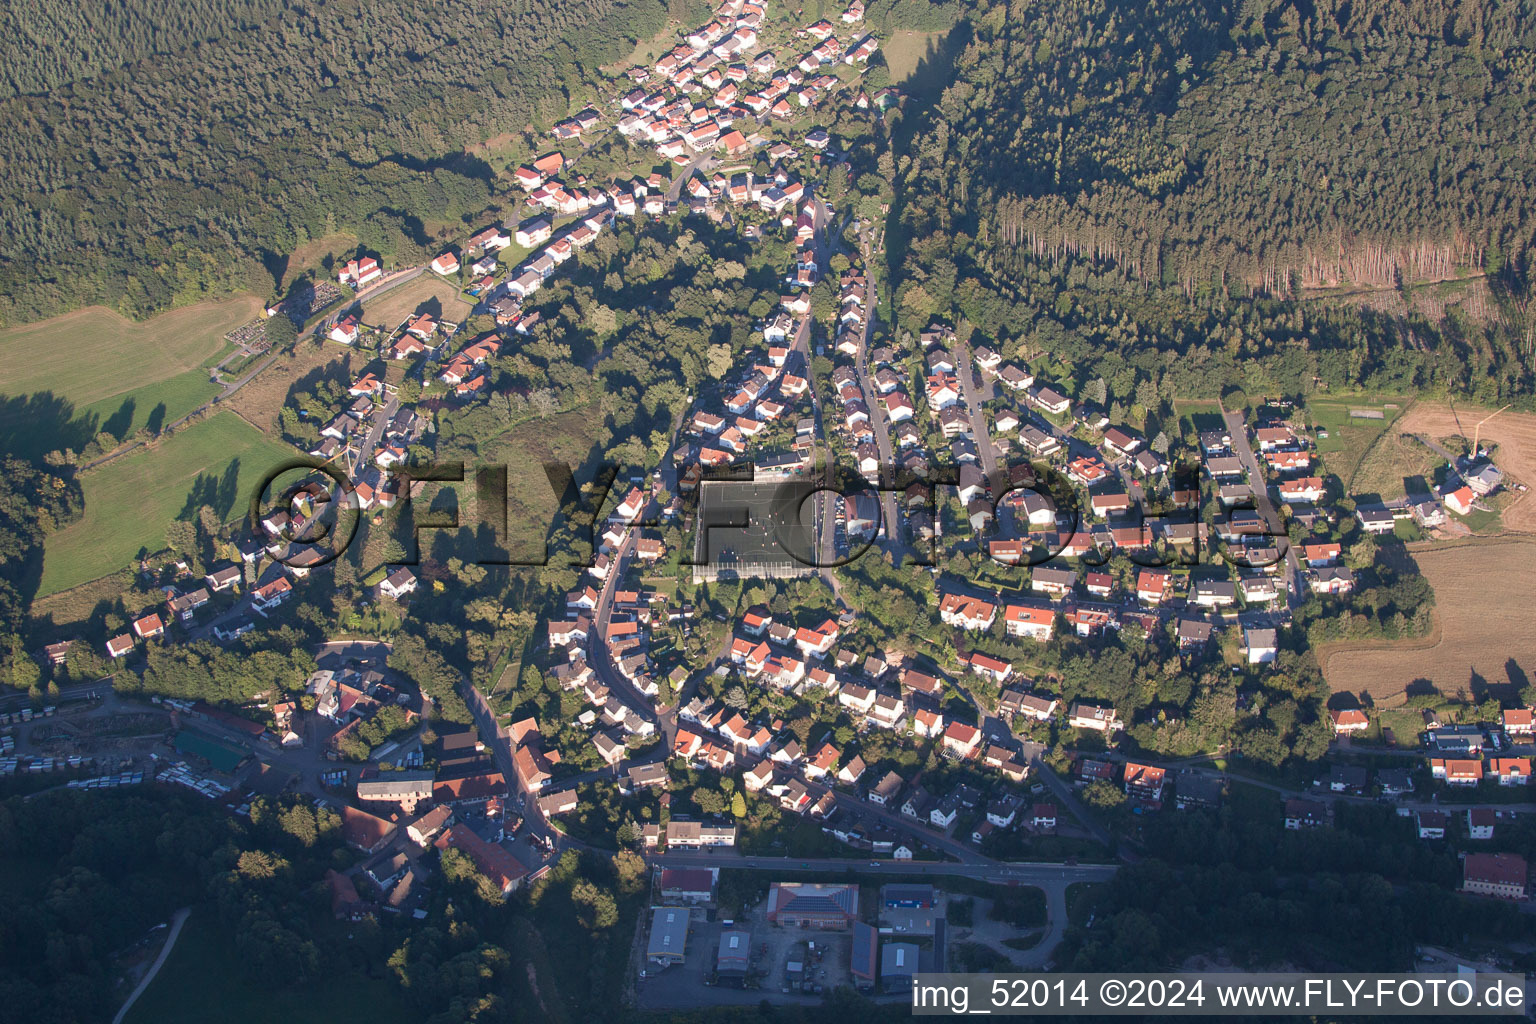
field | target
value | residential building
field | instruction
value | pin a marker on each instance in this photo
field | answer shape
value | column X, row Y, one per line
column 1502, row 875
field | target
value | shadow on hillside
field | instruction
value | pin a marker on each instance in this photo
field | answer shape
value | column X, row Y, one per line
column 219, row 493
column 33, row 425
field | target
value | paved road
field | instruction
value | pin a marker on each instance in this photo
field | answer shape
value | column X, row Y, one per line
column 177, row 920
column 877, row 414
column 968, row 394
column 701, row 162
column 68, row 692
column 1040, row 874
column 381, row 419
column 1068, row 797
column 1237, row 427
column 802, row 344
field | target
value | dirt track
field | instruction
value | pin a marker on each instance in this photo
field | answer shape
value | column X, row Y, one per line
column 1515, row 434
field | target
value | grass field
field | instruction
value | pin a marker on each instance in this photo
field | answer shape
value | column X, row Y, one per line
column 130, row 501
column 1482, row 628
column 904, row 51
column 428, row 293
column 201, row 981
column 94, row 354
column 154, row 405
column 65, row 379
column 1392, row 463
column 1349, row 438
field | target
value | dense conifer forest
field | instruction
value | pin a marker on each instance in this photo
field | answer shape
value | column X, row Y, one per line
column 162, row 172
column 1105, row 179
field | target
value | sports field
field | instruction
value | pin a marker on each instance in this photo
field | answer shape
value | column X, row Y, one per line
column 130, row 500
column 1351, row 437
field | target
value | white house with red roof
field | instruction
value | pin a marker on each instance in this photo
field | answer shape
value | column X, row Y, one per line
column 1460, row 500
column 1348, row 720
column 961, row 740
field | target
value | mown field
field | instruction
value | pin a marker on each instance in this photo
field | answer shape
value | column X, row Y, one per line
column 904, row 51
column 64, row 380
column 130, row 501
column 1482, row 627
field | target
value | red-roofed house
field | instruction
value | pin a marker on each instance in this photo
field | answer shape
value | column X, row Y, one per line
column 1349, row 720
column 1502, row 875
column 366, row 832
column 1511, row 771
column 961, row 740
column 492, row 861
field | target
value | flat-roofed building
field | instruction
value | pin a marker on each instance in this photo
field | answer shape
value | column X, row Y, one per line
column 669, row 936
column 734, row 956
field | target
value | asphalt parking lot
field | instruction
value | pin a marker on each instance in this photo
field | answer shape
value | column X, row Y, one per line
column 682, row 986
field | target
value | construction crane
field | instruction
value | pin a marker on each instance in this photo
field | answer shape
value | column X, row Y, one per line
column 1477, row 431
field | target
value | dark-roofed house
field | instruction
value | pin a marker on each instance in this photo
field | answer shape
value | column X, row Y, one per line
column 812, row 905
column 645, row 776
column 898, row 963
column 1348, row 778
column 1301, row 814
column 1394, row 781
column 426, row 828
column 888, row 790
column 687, row 885
column 669, row 936
column 733, row 957
column 908, row 896
column 1196, row 789
column 560, row 802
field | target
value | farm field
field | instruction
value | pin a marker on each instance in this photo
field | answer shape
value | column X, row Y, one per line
column 130, row 500
column 94, row 353
column 1482, row 623
column 439, row 296
column 201, row 982
column 1513, row 432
